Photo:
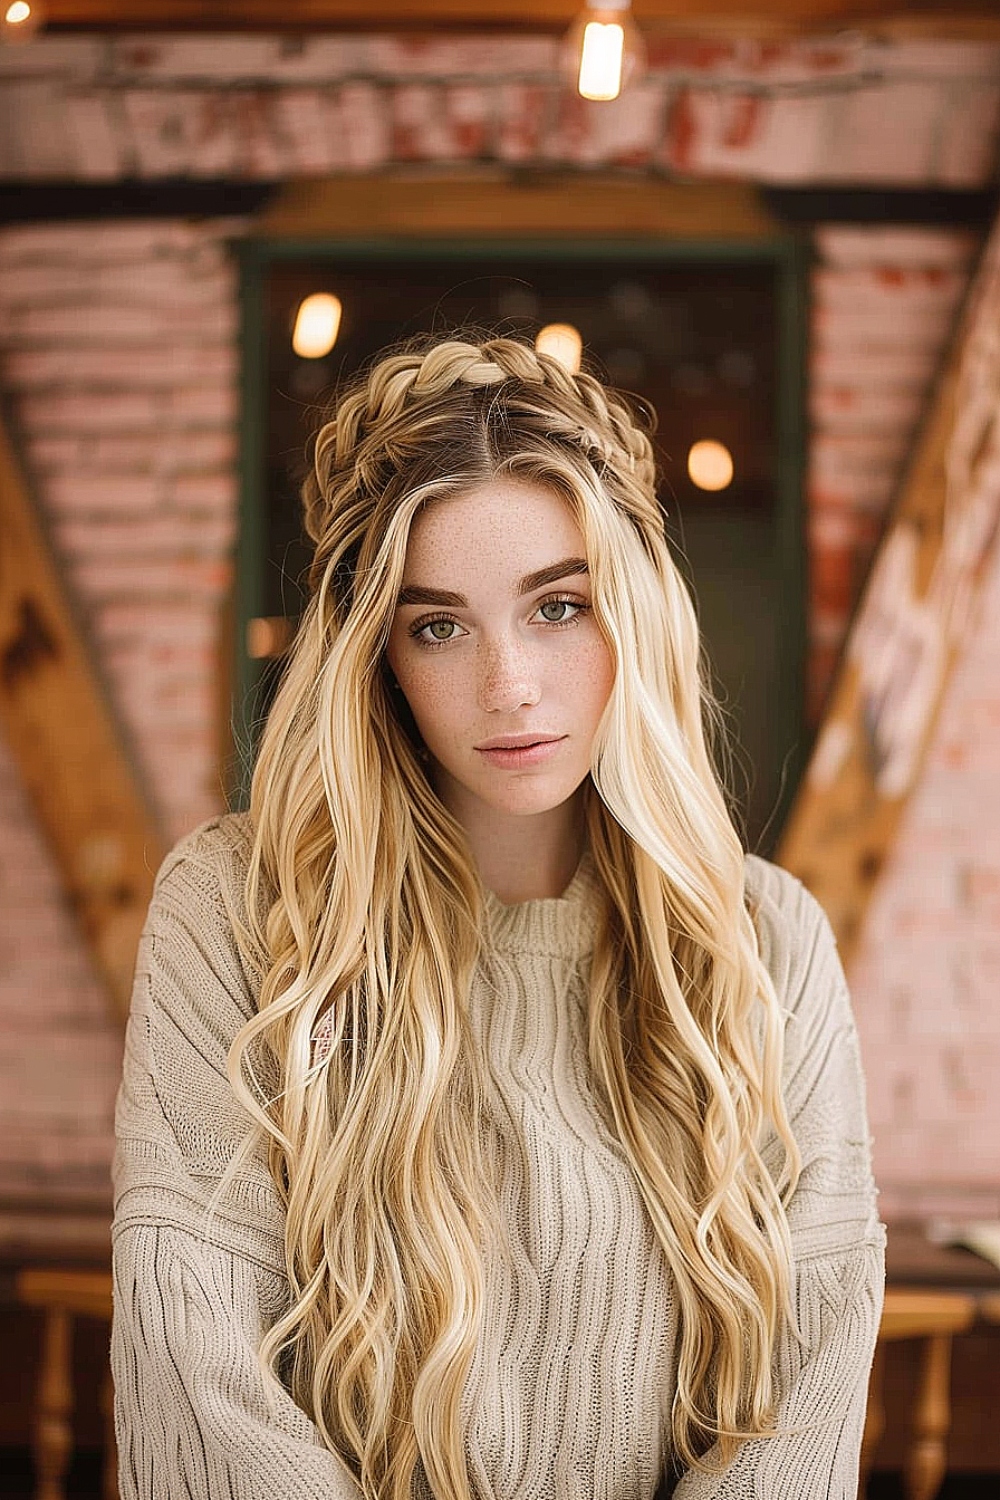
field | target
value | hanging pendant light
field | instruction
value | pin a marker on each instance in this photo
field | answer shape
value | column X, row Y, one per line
column 605, row 48
column 562, row 342
column 20, row 19
column 317, row 324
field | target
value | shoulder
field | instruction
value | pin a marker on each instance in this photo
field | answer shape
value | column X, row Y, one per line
column 799, row 951
column 217, row 851
column 822, row 1072
column 178, row 1122
column 190, row 958
column 795, row 938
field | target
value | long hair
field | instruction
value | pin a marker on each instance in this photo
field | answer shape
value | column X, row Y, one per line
column 363, row 915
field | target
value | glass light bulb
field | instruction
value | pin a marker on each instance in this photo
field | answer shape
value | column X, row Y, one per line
column 710, row 465
column 317, row 324
column 561, row 341
column 601, row 60
column 19, row 19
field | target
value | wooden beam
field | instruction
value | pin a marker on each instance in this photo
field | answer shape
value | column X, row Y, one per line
column 404, row 15
column 499, row 205
column 67, row 746
column 911, row 626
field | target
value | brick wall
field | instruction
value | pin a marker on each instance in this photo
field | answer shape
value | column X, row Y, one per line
column 926, row 978
column 118, row 349
column 844, row 109
column 884, row 303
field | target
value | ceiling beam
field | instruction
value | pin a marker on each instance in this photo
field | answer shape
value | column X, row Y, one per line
column 960, row 18
column 496, row 206
column 912, row 625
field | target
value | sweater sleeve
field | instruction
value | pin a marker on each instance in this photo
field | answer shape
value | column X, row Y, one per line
column 838, row 1242
column 194, row 1291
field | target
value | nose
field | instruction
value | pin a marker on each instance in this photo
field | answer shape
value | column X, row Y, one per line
column 508, row 679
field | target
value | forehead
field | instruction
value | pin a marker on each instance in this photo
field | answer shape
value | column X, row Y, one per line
column 506, row 526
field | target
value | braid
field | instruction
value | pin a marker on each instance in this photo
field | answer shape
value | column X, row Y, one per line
column 387, row 423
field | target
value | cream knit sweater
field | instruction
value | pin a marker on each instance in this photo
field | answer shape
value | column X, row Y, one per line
column 569, row 1392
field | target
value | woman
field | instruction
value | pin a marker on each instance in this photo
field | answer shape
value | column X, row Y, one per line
column 557, row 1176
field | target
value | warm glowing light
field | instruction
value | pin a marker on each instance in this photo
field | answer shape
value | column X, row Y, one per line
column 601, row 60
column 561, row 341
column 710, row 465
column 317, row 324
column 268, row 636
column 20, row 20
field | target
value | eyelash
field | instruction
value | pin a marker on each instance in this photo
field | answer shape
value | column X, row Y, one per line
column 419, row 626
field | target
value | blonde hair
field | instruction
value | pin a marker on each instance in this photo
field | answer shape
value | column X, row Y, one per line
column 363, row 917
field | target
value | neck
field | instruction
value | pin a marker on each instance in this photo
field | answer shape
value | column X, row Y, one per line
column 524, row 858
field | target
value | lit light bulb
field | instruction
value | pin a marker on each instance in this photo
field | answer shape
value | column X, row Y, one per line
column 561, row 341
column 317, row 324
column 710, row 465
column 601, row 60
column 268, row 636
column 604, row 49
column 20, row 20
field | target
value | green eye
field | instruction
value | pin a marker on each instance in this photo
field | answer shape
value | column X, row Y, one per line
column 441, row 629
column 554, row 610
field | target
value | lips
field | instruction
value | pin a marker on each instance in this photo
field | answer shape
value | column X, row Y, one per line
column 521, row 752
column 519, row 741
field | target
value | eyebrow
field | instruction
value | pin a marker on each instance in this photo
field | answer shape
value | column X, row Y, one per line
column 567, row 568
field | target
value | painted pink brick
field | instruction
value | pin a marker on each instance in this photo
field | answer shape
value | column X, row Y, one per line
column 626, row 131
column 485, row 57
column 202, row 405
column 131, row 365
column 99, row 149
column 69, row 494
column 209, row 320
column 364, row 139
column 306, row 120
column 848, row 247
column 527, row 111
column 421, row 127
column 967, row 148
column 730, row 133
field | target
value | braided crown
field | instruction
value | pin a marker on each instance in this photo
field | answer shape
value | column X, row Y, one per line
column 381, row 419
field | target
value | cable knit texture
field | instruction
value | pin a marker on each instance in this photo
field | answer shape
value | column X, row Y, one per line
column 570, row 1388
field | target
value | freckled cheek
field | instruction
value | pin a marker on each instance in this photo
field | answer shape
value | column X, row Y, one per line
column 435, row 698
column 586, row 677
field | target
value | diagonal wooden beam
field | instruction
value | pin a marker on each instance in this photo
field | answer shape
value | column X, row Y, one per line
column 67, row 745
column 910, row 628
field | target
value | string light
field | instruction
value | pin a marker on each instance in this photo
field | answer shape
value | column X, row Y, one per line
column 268, row 636
column 601, row 60
column 317, row 324
column 561, row 341
column 606, row 49
column 710, row 465
column 20, row 20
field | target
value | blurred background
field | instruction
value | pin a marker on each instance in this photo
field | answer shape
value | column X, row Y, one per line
column 773, row 221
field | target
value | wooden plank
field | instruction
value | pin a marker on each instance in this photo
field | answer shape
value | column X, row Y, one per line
column 67, row 746
column 499, row 205
column 910, row 628
column 304, row 15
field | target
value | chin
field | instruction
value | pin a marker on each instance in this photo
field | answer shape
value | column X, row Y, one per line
column 531, row 801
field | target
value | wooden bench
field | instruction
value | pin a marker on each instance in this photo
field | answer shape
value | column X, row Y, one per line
column 933, row 1317
column 62, row 1296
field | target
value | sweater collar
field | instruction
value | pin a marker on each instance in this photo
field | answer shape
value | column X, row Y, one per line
column 557, row 926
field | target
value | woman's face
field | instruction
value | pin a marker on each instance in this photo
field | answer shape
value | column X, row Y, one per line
column 497, row 651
